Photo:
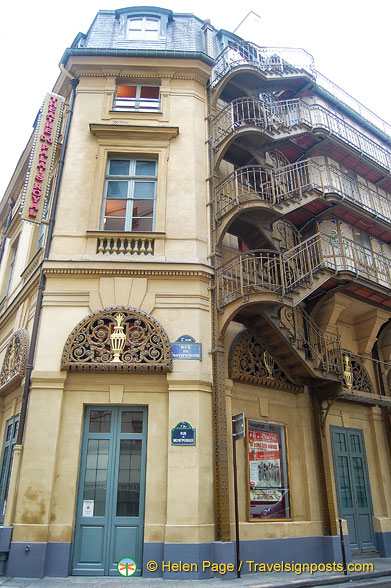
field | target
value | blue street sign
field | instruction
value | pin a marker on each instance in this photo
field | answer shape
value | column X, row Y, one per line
column 183, row 434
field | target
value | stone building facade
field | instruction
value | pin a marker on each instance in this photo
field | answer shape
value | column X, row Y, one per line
column 205, row 233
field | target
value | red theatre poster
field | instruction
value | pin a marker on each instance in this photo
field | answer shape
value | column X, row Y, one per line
column 268, row 471
column 264, row 456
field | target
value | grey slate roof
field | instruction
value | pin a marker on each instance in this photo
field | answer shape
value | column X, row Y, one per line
column 179, row 32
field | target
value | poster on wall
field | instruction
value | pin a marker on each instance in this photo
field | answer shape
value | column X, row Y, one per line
column 269, row 494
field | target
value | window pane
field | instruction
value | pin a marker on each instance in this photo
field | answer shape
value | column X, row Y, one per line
column 144, row 190
column 359, row 481
column 117, row 189
column 114, row 224
column 152, row 24
column 95, row 479
column 151, row 35
column 128, row 495
column 149, row 92
column 143, row 208
column 116, row 208
column 132, row 422
column 143, row 225
column 100, row 421
column 145, row 168
column 135, row 24
column 9, row 432
column 344, row 481
column 119, row 167
column 126, row 91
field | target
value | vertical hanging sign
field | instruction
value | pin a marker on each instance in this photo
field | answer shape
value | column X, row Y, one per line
column 37, row 183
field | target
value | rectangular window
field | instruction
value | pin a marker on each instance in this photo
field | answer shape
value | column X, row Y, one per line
column 137, row 97
column 143, row 28
column 268, row 471
column 12, row 259
column 130, row 192
column 11, row 431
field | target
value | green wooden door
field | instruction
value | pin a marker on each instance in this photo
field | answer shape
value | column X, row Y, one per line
column 353, row 489
column 110, row 505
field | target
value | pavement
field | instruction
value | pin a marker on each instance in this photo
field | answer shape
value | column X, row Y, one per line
column 380, row 577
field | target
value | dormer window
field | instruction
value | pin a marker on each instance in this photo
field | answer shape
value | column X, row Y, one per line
column 143, row 28
column 137, row 97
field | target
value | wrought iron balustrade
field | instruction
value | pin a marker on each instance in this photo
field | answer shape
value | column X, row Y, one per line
column 270, row 61
column 237, row 114
column 274, row 186
column 322, row 347
column 343, row 254
column 264, row 270
column 280, row 61
column 255, row 182
column 269, row 271
column 287, row 116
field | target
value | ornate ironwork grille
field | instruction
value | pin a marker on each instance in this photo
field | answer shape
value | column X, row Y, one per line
column 89, row 347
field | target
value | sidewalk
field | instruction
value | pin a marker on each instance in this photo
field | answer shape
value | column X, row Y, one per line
column 381, row 575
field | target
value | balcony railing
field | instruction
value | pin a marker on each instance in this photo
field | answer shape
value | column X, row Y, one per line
column 264, row 270
column 279, row 61
column 274, row 186
column 270, row 61
column 287, row 117
column 322, row 347
column 112, row 244
column 342, row 254
column 256, row 183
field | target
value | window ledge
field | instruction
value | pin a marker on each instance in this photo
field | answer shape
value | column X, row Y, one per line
column 107, row 131
column 125, row 234
column 149, row 113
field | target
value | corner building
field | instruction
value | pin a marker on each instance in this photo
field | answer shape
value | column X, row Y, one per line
column 215, row 241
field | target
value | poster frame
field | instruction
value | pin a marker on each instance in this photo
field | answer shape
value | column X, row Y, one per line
column 267, row 520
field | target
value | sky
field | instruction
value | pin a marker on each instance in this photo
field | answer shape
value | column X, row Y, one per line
column 349, row 40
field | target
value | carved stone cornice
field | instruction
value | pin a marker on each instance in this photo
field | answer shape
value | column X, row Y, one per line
column 128, row 131
column 14, row 364
column 141, row 76
column 128, row 272
column 94, row 346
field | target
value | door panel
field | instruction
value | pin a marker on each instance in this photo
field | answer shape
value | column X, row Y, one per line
column 110, row 506
column 353, row 490
column 125, row 539
column 91, row 544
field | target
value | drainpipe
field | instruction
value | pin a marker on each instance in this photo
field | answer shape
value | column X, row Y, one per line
column 42, row 279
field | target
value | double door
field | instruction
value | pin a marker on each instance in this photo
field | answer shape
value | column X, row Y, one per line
column 110, row 505
column 353, row 489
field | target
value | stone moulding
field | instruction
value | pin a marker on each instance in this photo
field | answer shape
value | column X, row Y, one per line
column 15, row 359
column 147, row 347
column 250, row 363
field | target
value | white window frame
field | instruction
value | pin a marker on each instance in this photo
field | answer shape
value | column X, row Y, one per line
column 144, row 28
column 131, row 180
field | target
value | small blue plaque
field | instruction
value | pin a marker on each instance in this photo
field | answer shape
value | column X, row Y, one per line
column 183, row 434
column 185, row 347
